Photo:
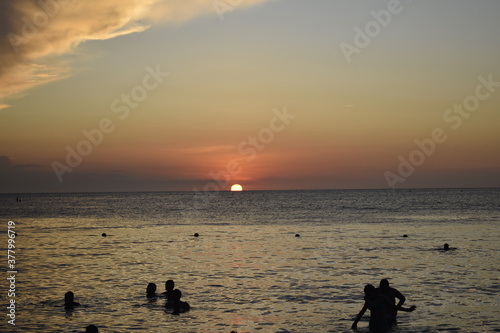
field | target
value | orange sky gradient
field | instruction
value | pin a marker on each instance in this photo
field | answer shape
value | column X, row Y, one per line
column 163, row 95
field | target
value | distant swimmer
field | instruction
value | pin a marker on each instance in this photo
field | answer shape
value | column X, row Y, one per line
column 446, row 247
column 92, row 329
column 69, row 301
column 151, row 290
column 103, row 234
column 196, row 234
column 178, row 305
column 297, row 235
column 377, row 304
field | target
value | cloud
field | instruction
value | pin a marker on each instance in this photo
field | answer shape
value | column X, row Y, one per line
column 28, row 166
column 201, row 149
column 5, row 163
column 36, row 34
column 33, row 178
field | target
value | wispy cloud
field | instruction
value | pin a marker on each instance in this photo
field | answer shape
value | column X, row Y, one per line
column 34, row 34
column 201, row 149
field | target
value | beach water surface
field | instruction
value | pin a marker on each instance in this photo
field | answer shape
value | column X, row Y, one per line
column 248, row 271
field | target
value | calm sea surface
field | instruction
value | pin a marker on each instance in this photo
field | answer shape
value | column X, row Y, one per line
column 247, row 271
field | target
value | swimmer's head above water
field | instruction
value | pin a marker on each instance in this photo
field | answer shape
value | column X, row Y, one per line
column 151, row 290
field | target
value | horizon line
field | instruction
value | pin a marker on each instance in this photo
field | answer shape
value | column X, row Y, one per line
column 278, row 190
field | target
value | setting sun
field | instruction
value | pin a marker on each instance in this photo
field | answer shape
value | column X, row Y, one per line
column 236, row 188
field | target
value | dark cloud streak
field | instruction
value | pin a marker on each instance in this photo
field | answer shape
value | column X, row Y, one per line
column 32, row 178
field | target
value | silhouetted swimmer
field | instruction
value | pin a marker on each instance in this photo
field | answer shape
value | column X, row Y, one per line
column 169, row 287
column 69, row 301
column 151, row 290
column 391, row 294
column 405, row 235
column 377, row 303
column 297, row 235
column 103, row 234
column 447, row 247
column 178, row 305
column 196, row 234
column 91, row 329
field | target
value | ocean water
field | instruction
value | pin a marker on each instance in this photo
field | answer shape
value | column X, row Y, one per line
column 247, row 272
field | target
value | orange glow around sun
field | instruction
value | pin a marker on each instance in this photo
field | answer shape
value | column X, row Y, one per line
column 236, row 188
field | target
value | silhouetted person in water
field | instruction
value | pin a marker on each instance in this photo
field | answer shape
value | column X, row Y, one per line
column 91, row 329
column 151, row 290
column 377, row 303
column 69, row 301
column 447, row 247
column 178, row 305
column 169, row 287
column 391, row 294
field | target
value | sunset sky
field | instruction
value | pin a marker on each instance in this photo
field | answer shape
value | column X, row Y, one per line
column 160, row 95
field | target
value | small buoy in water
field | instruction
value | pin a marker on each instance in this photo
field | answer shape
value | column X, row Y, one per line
column 405, row 235
column 446, row 247
column 297, row 235
column 196, row 234
column 103, row 234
